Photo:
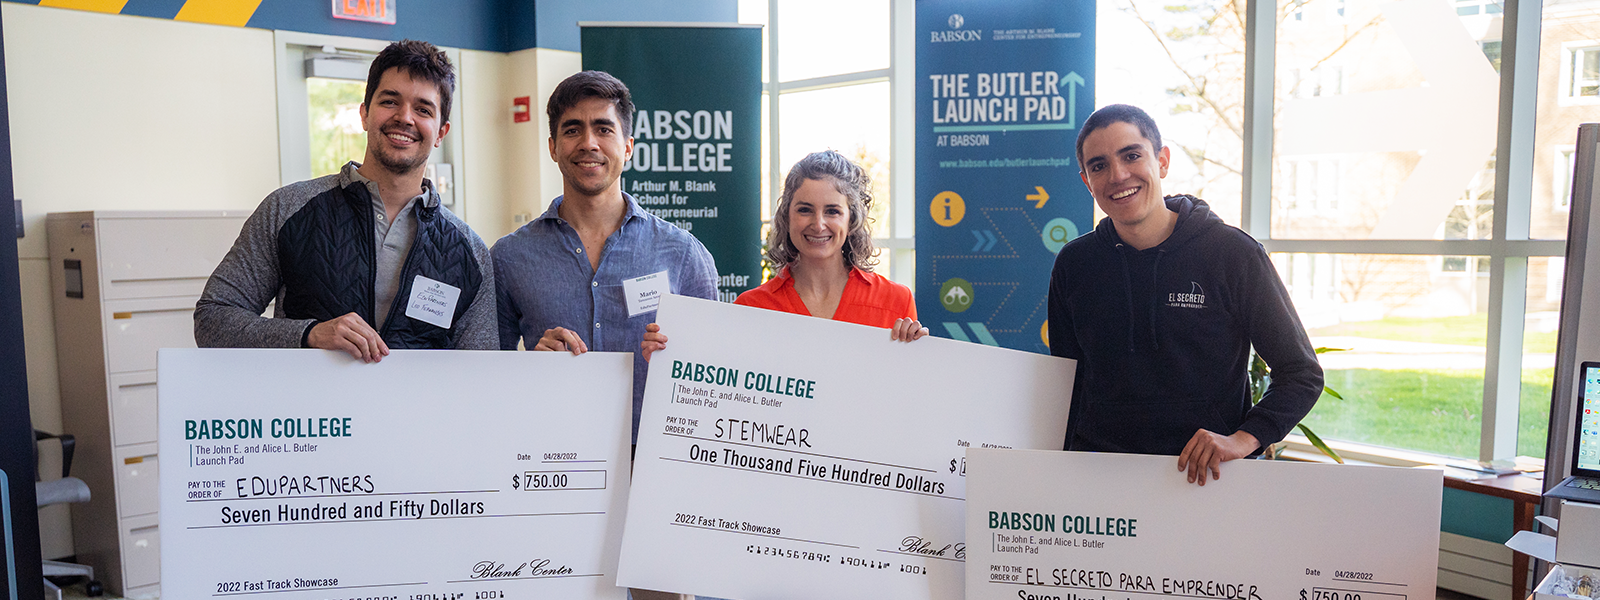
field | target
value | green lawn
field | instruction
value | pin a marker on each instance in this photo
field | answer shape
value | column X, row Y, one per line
column 1469, row 331
column 1436, row 411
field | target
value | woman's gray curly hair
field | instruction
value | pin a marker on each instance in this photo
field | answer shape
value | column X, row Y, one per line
column 850, row 180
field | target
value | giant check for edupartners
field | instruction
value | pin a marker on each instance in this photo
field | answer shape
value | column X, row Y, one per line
column 1080, row 526
column 303, row 474
column 784, row 456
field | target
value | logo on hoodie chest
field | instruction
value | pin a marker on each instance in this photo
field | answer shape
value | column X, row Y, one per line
column 1194, row 298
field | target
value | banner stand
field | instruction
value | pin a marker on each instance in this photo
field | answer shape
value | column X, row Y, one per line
column 696, row 132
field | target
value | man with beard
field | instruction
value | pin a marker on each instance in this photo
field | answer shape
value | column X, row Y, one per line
column 366, row 259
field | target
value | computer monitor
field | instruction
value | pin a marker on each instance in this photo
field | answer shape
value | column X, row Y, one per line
column 1584, row 483
column 1586, row 446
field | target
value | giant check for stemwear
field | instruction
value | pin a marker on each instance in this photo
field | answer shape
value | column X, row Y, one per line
column 303, row 474
column 784, row 456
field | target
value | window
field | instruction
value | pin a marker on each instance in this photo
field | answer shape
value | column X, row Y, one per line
column 1562, row 184
column 1568, row 94
column 1312, row 280
column 1360, row 199
column 1411, row 365
column 1395, row 179
column 1585, row 70
column 1312, row 184
column 1379, row 199
column 1478, row 7
column 1150, row 55
column 833, row 92
column 1491, row 51
column 334, row 112
column 1555, row 271
column 1539, row 351
column 1321, row 80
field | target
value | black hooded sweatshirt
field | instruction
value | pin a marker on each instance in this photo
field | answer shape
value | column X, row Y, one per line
column 1162, row 337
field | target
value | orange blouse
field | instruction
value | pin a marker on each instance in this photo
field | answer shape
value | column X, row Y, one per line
column 868, row 299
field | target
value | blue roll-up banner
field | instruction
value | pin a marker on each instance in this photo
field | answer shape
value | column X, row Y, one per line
column 1001, row 90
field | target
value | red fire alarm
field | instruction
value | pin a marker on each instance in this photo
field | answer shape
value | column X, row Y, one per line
column 520, row 110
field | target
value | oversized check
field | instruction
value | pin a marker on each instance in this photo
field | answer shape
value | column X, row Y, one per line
column 784, row 456
column 432, row 474
column 1080, row 526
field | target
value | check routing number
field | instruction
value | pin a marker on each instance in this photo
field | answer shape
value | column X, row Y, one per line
column 1081, row 526
column 785, row 456
column 430, row 475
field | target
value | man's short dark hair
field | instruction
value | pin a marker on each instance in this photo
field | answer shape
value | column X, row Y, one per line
column 1119, row 113
column 420, row 60
column 591, row 84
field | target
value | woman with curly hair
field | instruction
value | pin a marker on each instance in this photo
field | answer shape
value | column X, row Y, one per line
column 822, row 247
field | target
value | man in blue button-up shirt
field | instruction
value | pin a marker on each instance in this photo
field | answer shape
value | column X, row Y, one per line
column 559, row 278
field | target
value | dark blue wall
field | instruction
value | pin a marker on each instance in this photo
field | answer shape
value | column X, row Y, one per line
column 492, row 25
column 160, row 9
column 471, row 24
column 558, row 21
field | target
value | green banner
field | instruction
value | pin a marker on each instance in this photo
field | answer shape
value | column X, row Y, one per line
column 696, row 133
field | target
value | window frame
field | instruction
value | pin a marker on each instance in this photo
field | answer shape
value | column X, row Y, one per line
column 900, row 244
column 1510, row 247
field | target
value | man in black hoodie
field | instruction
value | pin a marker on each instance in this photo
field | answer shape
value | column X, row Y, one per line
column 1160, row 305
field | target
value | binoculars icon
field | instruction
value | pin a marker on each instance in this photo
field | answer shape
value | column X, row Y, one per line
column 957, row 296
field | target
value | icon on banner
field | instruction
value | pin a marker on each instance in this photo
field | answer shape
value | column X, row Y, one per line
column 1058, row 232
column 1042, row 197
column 956, row 295
column 1044, row 332
column 948, row 208
column 956, row 21
column 986, row 240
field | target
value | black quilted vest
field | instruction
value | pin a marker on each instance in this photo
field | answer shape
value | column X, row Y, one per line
column 327, row 260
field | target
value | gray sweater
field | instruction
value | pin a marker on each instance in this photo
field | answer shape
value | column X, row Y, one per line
column 228, row 314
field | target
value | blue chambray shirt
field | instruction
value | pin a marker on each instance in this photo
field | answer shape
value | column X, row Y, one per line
column 543, row 281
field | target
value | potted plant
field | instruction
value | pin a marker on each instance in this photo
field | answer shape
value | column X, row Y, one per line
column 1260, row 377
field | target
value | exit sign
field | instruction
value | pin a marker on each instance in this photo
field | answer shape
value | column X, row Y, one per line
column 371, row 11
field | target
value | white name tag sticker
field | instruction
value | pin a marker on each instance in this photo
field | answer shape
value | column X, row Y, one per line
column 432, row 301
column 644, row 293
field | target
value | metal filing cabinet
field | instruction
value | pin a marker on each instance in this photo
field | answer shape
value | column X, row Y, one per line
column 124, row 284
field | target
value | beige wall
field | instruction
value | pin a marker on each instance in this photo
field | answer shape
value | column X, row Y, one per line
column 531, row 176
column 179, row 116
column 485, row 115
column 509, row 163
column 553, row 66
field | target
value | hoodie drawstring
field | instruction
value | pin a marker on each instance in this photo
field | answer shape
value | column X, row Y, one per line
column 1127, row 289
column 1154, row 302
